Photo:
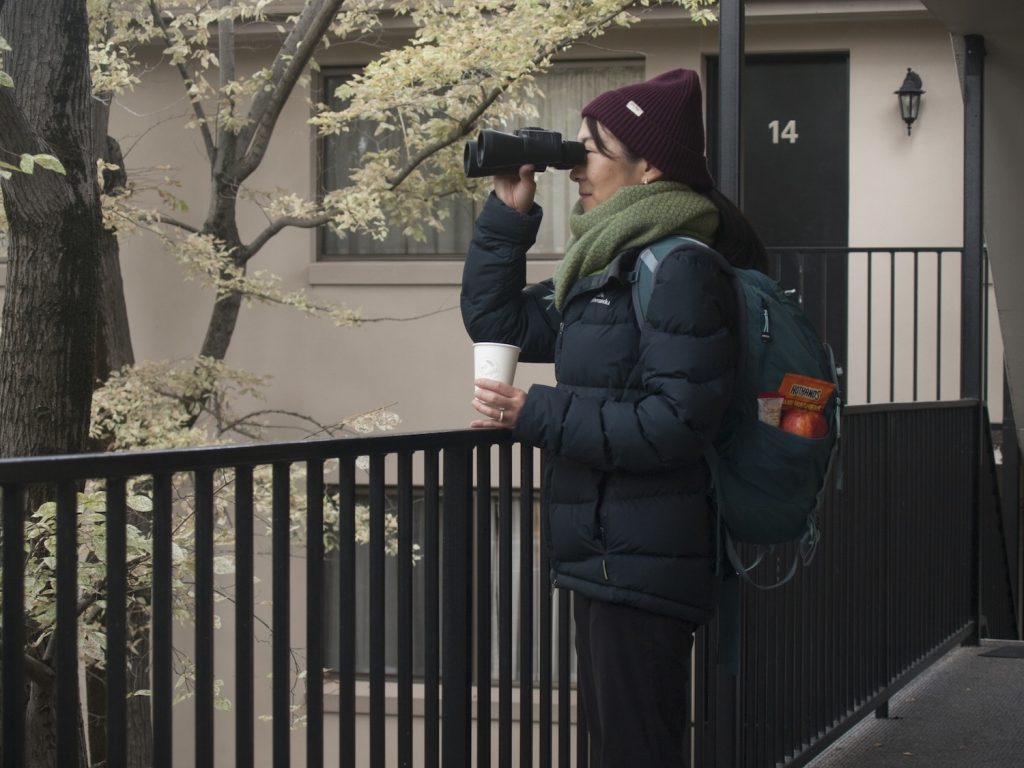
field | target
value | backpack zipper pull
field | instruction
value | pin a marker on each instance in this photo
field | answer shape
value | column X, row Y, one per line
column 766, row 329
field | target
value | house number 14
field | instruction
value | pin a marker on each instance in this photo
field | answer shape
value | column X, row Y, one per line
column 788, row 133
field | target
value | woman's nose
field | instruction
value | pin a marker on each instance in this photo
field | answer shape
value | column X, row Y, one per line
column 576, row 173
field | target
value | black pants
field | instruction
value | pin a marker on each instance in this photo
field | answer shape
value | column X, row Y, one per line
column 634, row 684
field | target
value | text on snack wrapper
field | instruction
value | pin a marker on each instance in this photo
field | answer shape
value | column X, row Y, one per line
column 799, row 390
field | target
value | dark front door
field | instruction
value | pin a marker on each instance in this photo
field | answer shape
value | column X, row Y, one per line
column 795, row 174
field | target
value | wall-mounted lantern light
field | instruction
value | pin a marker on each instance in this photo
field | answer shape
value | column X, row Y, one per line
column 910, row 97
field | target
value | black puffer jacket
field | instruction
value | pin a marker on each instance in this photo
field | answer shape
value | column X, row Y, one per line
column 626, row 487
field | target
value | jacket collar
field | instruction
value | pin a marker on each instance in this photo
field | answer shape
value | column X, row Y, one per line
column 618, row 270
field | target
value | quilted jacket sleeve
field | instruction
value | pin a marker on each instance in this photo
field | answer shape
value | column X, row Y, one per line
column 687, row 366
column 496, row 303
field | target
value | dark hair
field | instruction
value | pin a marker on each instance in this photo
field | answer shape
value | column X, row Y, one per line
column 595, row 134
column 735, row 238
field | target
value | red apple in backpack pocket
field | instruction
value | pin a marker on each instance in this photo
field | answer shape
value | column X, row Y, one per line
column 804, row 423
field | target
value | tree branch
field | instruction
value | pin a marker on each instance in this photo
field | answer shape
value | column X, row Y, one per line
column 462, row 128
column 466, row 124
column 277, row 225
column 226, row 140
column 39, row 673
column 291, row 60
column 204, row 128
column 179, row 224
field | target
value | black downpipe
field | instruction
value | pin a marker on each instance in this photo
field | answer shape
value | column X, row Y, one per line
column 731, row 53
column 972, row 283
column 972, row 280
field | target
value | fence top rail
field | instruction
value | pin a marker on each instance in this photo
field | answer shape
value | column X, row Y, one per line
column 51, row 469
column 918, row 405
column 47, row 469
column 865, row 249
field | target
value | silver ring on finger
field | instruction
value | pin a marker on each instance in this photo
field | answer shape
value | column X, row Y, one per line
column 501, row 415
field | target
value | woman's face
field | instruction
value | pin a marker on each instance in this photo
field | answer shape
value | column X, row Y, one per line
column 603, row 174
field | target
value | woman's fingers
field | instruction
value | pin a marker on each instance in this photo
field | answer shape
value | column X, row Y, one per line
column 517, row 191
column 499, row 402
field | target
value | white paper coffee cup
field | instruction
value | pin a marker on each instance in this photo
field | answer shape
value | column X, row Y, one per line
column 495, row 361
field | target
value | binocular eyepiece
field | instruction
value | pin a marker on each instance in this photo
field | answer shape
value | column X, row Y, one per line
column 494, row 153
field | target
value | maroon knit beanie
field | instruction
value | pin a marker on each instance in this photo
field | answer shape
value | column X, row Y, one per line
column 660, row 120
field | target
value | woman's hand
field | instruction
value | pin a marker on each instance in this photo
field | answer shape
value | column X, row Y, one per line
column 500, row 403
column 517, row 191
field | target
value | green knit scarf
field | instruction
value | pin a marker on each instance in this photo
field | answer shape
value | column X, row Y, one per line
column 633, row 216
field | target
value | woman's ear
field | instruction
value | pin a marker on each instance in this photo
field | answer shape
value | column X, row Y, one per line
column 651, row 173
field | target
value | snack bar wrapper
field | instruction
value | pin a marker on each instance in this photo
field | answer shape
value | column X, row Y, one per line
column 805, row 392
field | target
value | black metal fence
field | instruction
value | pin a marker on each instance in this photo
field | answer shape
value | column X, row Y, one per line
column 894, row 584
column 892, row 587
column 893, row 316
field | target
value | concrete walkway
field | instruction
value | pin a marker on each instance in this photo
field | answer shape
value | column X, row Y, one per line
column 966, row 711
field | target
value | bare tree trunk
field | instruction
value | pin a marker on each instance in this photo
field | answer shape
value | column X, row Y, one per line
column 47, row 348
column 41, row 726
column 113, row 333
column 140, row 721
column 49, row 314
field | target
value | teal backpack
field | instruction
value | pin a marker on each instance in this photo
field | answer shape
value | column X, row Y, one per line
column 769, row 484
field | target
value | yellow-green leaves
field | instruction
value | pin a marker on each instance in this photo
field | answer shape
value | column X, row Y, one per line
column 27, row 164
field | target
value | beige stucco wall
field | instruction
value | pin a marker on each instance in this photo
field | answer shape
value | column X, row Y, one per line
column 903, row 191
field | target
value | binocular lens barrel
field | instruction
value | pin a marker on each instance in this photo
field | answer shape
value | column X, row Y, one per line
column 495, row 153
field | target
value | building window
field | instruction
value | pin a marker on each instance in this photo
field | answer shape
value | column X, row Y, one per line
column 566, row 88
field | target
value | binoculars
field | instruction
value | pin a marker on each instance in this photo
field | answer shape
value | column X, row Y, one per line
column 494, row 153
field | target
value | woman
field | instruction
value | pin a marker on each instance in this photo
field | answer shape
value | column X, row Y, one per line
column 626, row 488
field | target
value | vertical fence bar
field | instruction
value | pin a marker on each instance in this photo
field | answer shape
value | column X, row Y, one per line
column 978, row 506
column 405, row 610
column 545, row 647
column 456, row 626
column 204, row 618
column 14, row 627
column 986, row 283
column 245, row 670
column 526, row 583
column 892, row 326
column 347, row 612
column 68, row 707
column 870, row 314
column 938, row 330
column 280, row 651
column 314, row 613
column 162, row 624
column 431, row 619
column 116, row 625
column 1010, row 497
column 564, row 688
column 505, row 606
column 483, row 606
column 759, row 685
column 917, row 302
column 378, row 601
column 582, row 734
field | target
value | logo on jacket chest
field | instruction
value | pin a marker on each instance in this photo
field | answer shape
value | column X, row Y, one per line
column 601, row 299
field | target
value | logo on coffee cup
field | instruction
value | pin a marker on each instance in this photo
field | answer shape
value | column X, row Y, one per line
column 488, row 370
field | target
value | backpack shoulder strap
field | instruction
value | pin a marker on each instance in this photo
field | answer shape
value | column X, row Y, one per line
column 651, row 257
